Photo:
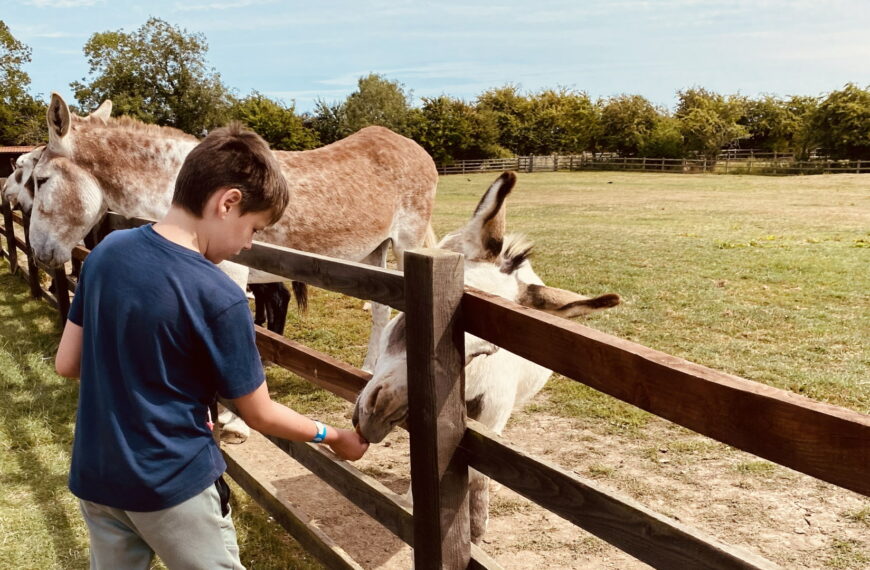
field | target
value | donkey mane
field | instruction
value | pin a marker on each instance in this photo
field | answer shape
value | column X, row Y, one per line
column 132, row 124
column 515, row 251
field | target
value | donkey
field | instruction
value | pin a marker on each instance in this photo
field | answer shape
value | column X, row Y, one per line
column 496, row 381
column 351, row 199
column 18, row 189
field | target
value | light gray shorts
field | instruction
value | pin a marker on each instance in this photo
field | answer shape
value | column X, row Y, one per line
column 194, row 535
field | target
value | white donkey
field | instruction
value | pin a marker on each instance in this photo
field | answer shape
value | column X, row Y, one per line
column 18, row 188
column 496, row 380
column 351, row 199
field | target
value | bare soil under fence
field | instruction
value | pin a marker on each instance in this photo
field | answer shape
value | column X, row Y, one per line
column 790, row 518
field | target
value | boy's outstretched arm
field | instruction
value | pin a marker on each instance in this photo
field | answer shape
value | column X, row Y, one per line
column 68, row 361
column 269, row 417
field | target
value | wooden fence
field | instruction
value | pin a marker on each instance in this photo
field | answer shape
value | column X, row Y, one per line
column 773, row 165
column 825, row 441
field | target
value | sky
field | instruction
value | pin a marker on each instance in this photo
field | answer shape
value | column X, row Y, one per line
column 299, row 52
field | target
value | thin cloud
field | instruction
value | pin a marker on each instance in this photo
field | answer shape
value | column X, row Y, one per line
column 233, row 5
column 63, row 3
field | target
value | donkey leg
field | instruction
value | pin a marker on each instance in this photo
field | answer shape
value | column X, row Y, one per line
column 260, row 293
column 380, row 313
column 478, row 504
column 280, row 306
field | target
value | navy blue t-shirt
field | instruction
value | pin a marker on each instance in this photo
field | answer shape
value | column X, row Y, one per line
column 164, row 330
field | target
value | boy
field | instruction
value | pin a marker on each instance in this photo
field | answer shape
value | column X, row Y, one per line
column 154, row 331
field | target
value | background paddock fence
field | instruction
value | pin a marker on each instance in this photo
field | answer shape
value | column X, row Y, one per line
column 825, row 441
column 771, row 164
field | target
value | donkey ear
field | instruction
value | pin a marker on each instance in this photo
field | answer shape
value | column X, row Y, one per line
column 104, row 111
column 562, row 303
column 58, row 118
column 484, row 234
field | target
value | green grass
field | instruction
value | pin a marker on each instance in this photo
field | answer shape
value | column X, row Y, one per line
column 40, row 524
column 787, row 305
column 763, row 277
column 39, row 519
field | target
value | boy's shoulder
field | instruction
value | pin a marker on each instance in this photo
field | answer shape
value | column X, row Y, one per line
column 143, row 256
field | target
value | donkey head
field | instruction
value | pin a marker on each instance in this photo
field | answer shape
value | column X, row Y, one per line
column 67, row 200
column 18, row 189
column 494, row 263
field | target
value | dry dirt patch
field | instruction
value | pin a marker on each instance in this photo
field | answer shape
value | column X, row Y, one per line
column 789, row 518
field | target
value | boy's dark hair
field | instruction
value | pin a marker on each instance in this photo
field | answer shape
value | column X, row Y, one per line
column 232, row 157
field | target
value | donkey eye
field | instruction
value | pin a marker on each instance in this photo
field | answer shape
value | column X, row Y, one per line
column 41, row 181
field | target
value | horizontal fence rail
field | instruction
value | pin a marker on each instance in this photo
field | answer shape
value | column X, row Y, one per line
column 828, row 442
column 822, row 440
column 757, row 164
column 648, row 536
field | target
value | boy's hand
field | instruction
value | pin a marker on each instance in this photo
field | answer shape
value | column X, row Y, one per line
column 349, row 445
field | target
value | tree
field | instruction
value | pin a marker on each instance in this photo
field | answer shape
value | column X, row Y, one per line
column 326, row 121
column 801, row 110
column 562, row 121
column 841, row 124
column 275, row 122
column 377, row 101
column 22, row 117
column 708, row 121
column 627, row 123
column 450, row 129
column 156, row 73
column 665, row 140
column 510, row 109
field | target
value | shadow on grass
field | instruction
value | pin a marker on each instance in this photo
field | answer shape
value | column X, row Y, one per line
column 37, row 419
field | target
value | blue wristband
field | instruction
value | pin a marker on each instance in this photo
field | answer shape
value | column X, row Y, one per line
column 321, row 432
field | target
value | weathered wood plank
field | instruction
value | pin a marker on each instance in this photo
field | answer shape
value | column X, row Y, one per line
column 294, row 521
column 650, row 537
column 317, row 367
column 388, row 508
column 79, row 253
column 818, row 439
column 11, row 239
column 32, row 269
column 61, row 293
column 384, row 286
column 439, row 477
column 372, row 497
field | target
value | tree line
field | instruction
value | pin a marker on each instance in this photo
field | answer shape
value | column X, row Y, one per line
column 158, row 73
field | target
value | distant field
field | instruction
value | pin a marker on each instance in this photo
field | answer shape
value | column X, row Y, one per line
column 763, row 277
column 767, row 278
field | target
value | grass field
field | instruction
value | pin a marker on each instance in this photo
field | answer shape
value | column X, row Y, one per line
column 762, row 277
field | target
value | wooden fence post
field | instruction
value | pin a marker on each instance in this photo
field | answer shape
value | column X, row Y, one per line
column 32, row 269
column 61, row 293
column 436, row 418
column 9, row 232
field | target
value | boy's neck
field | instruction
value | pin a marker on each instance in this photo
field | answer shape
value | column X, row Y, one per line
column 183, row 228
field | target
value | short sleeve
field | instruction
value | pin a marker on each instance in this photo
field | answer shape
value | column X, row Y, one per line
column 76, row 312
column 232, row 348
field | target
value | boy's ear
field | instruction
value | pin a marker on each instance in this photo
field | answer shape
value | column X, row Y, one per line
column 229, row 197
